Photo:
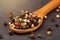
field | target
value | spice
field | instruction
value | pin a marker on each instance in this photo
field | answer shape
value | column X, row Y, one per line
column 39, row 36
column 45, row 17
column 27, row 20
column 32, row 36
column 49, row 29
column 57, row 10
column 56, row 25
column 32, row 25
column 1, row 36
column 49, row 33
column 5, row 24
column 53, row 20
column 11, row 33
column 11, row 15
column 57, row 16
column 59, row 7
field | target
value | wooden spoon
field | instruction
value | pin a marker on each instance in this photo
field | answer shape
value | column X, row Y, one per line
column 41, row 13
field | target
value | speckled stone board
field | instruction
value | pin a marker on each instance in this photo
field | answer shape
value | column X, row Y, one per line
column 31, row 5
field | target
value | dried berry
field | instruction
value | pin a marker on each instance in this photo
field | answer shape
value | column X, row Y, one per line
column 32, row 36
column 35, row 23
column 56, row 25
column 11, row 15
column 57, row 10
column 53, row 20
column 57, row 16
column 11, row 33
column 45, row 17
column 39, row 36
column 32, row 25
column 24, row 21
column 5, row 24
column 59, row 7
column 12, row 20
column 1, row 36
column 49, row 29
column 49, row 33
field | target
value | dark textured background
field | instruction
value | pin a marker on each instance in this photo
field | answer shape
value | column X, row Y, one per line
column 31, row 5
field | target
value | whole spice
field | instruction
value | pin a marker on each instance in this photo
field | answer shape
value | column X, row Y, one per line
column 5, row 24
column 39, row 36
column 49, row 33
column 11, row 15
column 32, row 36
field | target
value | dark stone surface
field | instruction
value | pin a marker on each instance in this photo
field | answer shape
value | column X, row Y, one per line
column 15, row 6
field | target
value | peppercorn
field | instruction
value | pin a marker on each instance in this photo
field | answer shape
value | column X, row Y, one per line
column 45, row 17
column 49, row 33
column 29, row 24
column 28, row 18
column 59, row 7
column 11, row 33
column 33, row 15
column 11, row 15
column 23, row 11
column 32, row 36
column 25, row 20
column 5, row 24
column 53, row 20
column 49, row 29
column 39, row 36
column 32, row 25
column 57, row 16
column 57, row 10
column 35, row 23
column 12, row 20
column 39, row 20
column 30, row 14
column 1, row 36
column 16, row 23
column 56, row 25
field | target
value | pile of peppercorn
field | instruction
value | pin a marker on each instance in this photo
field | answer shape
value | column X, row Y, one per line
column 25, row 21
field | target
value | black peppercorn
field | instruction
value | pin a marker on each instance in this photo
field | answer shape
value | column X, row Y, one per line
column 53, row 20
column 1, row 36
column 56, row 25
column 10, row 33
column 49, row 29
column 5, row 24
column 12, row 20
column 29, row 24
column 35, row 23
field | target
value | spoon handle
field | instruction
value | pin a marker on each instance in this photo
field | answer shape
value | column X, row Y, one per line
column 47, row 8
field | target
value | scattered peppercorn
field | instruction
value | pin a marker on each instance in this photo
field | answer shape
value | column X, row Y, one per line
column 57, row 16
column 1, row 36
column 11, row 15
column 57, row 10
column 11, row 33
column 5, row 24
column 49, row 29
column 32, row 36
column 45, row 17
column 53, row 20
column 56, row 25
column 39, row 36
column 49, row 33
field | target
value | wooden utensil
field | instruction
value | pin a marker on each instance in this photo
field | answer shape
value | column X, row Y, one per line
column 41, row 13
